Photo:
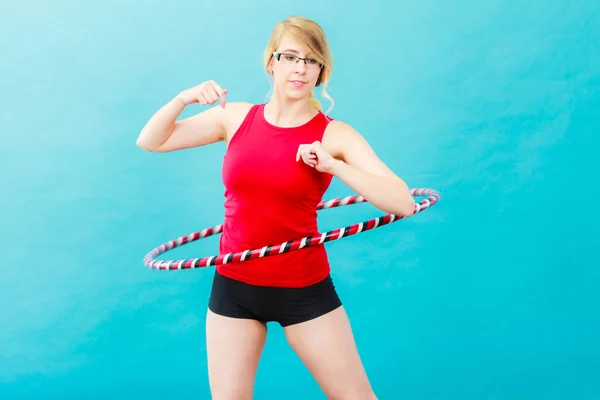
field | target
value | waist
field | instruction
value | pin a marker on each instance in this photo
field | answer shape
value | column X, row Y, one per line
column 253, row 225
column 297, row 268
column 249, row 229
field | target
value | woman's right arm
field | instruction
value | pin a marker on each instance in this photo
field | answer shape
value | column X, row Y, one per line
column 163, row 133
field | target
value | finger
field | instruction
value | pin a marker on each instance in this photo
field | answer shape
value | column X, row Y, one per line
column 223, row 97
column 210, row 94
column 299, row 152
column 310, row 153
column 312, row 161
column 201, row 99
column 215, row 93
column 221, row 93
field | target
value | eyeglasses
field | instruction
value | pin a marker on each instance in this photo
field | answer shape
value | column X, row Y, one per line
column 290, row 59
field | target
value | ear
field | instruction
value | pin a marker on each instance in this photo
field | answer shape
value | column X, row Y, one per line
column 270, row 66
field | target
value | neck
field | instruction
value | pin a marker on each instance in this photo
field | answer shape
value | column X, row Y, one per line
column 286, row 112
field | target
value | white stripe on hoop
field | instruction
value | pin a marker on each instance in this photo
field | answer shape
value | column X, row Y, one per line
column 322, row 238
column 282, row 248
column 262, row 251
column 328, row 203
column 209, row 260
column 244, row 254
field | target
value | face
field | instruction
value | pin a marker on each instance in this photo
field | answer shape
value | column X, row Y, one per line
column 292, row 76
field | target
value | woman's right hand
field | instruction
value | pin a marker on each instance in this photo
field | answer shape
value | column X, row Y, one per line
column 208, row 92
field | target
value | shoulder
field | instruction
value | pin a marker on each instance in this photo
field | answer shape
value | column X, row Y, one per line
column 232, row 116
column 335, row 127
column 239, row 105
column 338, row 136
column 231, row 113
column 235, row 110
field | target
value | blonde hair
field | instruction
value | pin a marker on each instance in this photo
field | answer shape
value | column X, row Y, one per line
column 311, row 35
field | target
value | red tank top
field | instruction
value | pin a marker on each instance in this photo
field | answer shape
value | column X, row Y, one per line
column 271, row 198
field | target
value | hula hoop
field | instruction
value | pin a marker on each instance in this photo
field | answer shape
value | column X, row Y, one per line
column 273, row 250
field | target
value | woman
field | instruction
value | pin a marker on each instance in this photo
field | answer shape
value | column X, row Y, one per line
column 280, row 159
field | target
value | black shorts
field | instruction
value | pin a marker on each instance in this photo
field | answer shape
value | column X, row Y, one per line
column 287, row 306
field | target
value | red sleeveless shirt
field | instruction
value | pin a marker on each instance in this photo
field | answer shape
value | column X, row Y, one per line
column 270, row 198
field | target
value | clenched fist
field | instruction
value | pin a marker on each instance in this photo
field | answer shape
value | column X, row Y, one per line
column 208, row 92
column 316, row 156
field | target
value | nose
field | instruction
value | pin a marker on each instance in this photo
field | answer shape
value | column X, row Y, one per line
column 300, row 66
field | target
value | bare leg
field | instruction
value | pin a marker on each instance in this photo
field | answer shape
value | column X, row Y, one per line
column 326, row 346
column 234, row 347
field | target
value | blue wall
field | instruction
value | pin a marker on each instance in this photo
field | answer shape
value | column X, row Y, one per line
column 491, row 294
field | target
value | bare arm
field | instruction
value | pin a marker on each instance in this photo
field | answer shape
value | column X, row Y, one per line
column 345, row 154
column 163, row 133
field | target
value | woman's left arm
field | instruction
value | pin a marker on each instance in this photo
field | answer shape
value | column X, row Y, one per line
column 345, row 154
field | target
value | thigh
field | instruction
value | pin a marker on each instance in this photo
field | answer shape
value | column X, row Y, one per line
column 327, row 347
column 234, row 347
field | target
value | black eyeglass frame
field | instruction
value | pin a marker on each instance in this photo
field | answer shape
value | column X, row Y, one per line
column 278, row 56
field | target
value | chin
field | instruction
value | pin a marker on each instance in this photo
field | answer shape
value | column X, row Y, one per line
column 298, row 94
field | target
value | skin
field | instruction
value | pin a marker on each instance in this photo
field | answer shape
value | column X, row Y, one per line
column 326, row 344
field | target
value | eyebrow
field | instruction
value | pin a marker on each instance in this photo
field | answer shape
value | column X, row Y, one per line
column 293, row 51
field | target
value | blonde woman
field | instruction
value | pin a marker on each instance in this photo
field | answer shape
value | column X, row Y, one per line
column 281, row 157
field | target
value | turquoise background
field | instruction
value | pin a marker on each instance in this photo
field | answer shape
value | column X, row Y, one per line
column 491, row 294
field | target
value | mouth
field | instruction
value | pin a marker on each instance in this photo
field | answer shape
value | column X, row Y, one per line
column 298, row 83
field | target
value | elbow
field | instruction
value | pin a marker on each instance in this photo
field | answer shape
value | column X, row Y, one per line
column 406, row 211
column 410, row 209
column 405, row 206
column 149, row 150
column 144, row 146
column 140, row 142
column 141, row 145
column 405, row 203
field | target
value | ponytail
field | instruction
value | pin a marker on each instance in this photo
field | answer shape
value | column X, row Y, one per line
column 313, row 102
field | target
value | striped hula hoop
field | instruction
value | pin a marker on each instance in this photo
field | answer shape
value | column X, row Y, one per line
column 272, row 250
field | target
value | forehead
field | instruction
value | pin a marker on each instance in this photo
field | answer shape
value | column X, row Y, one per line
column 289, row 44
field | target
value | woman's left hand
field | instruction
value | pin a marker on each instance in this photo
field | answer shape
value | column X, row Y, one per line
column 316, row 156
